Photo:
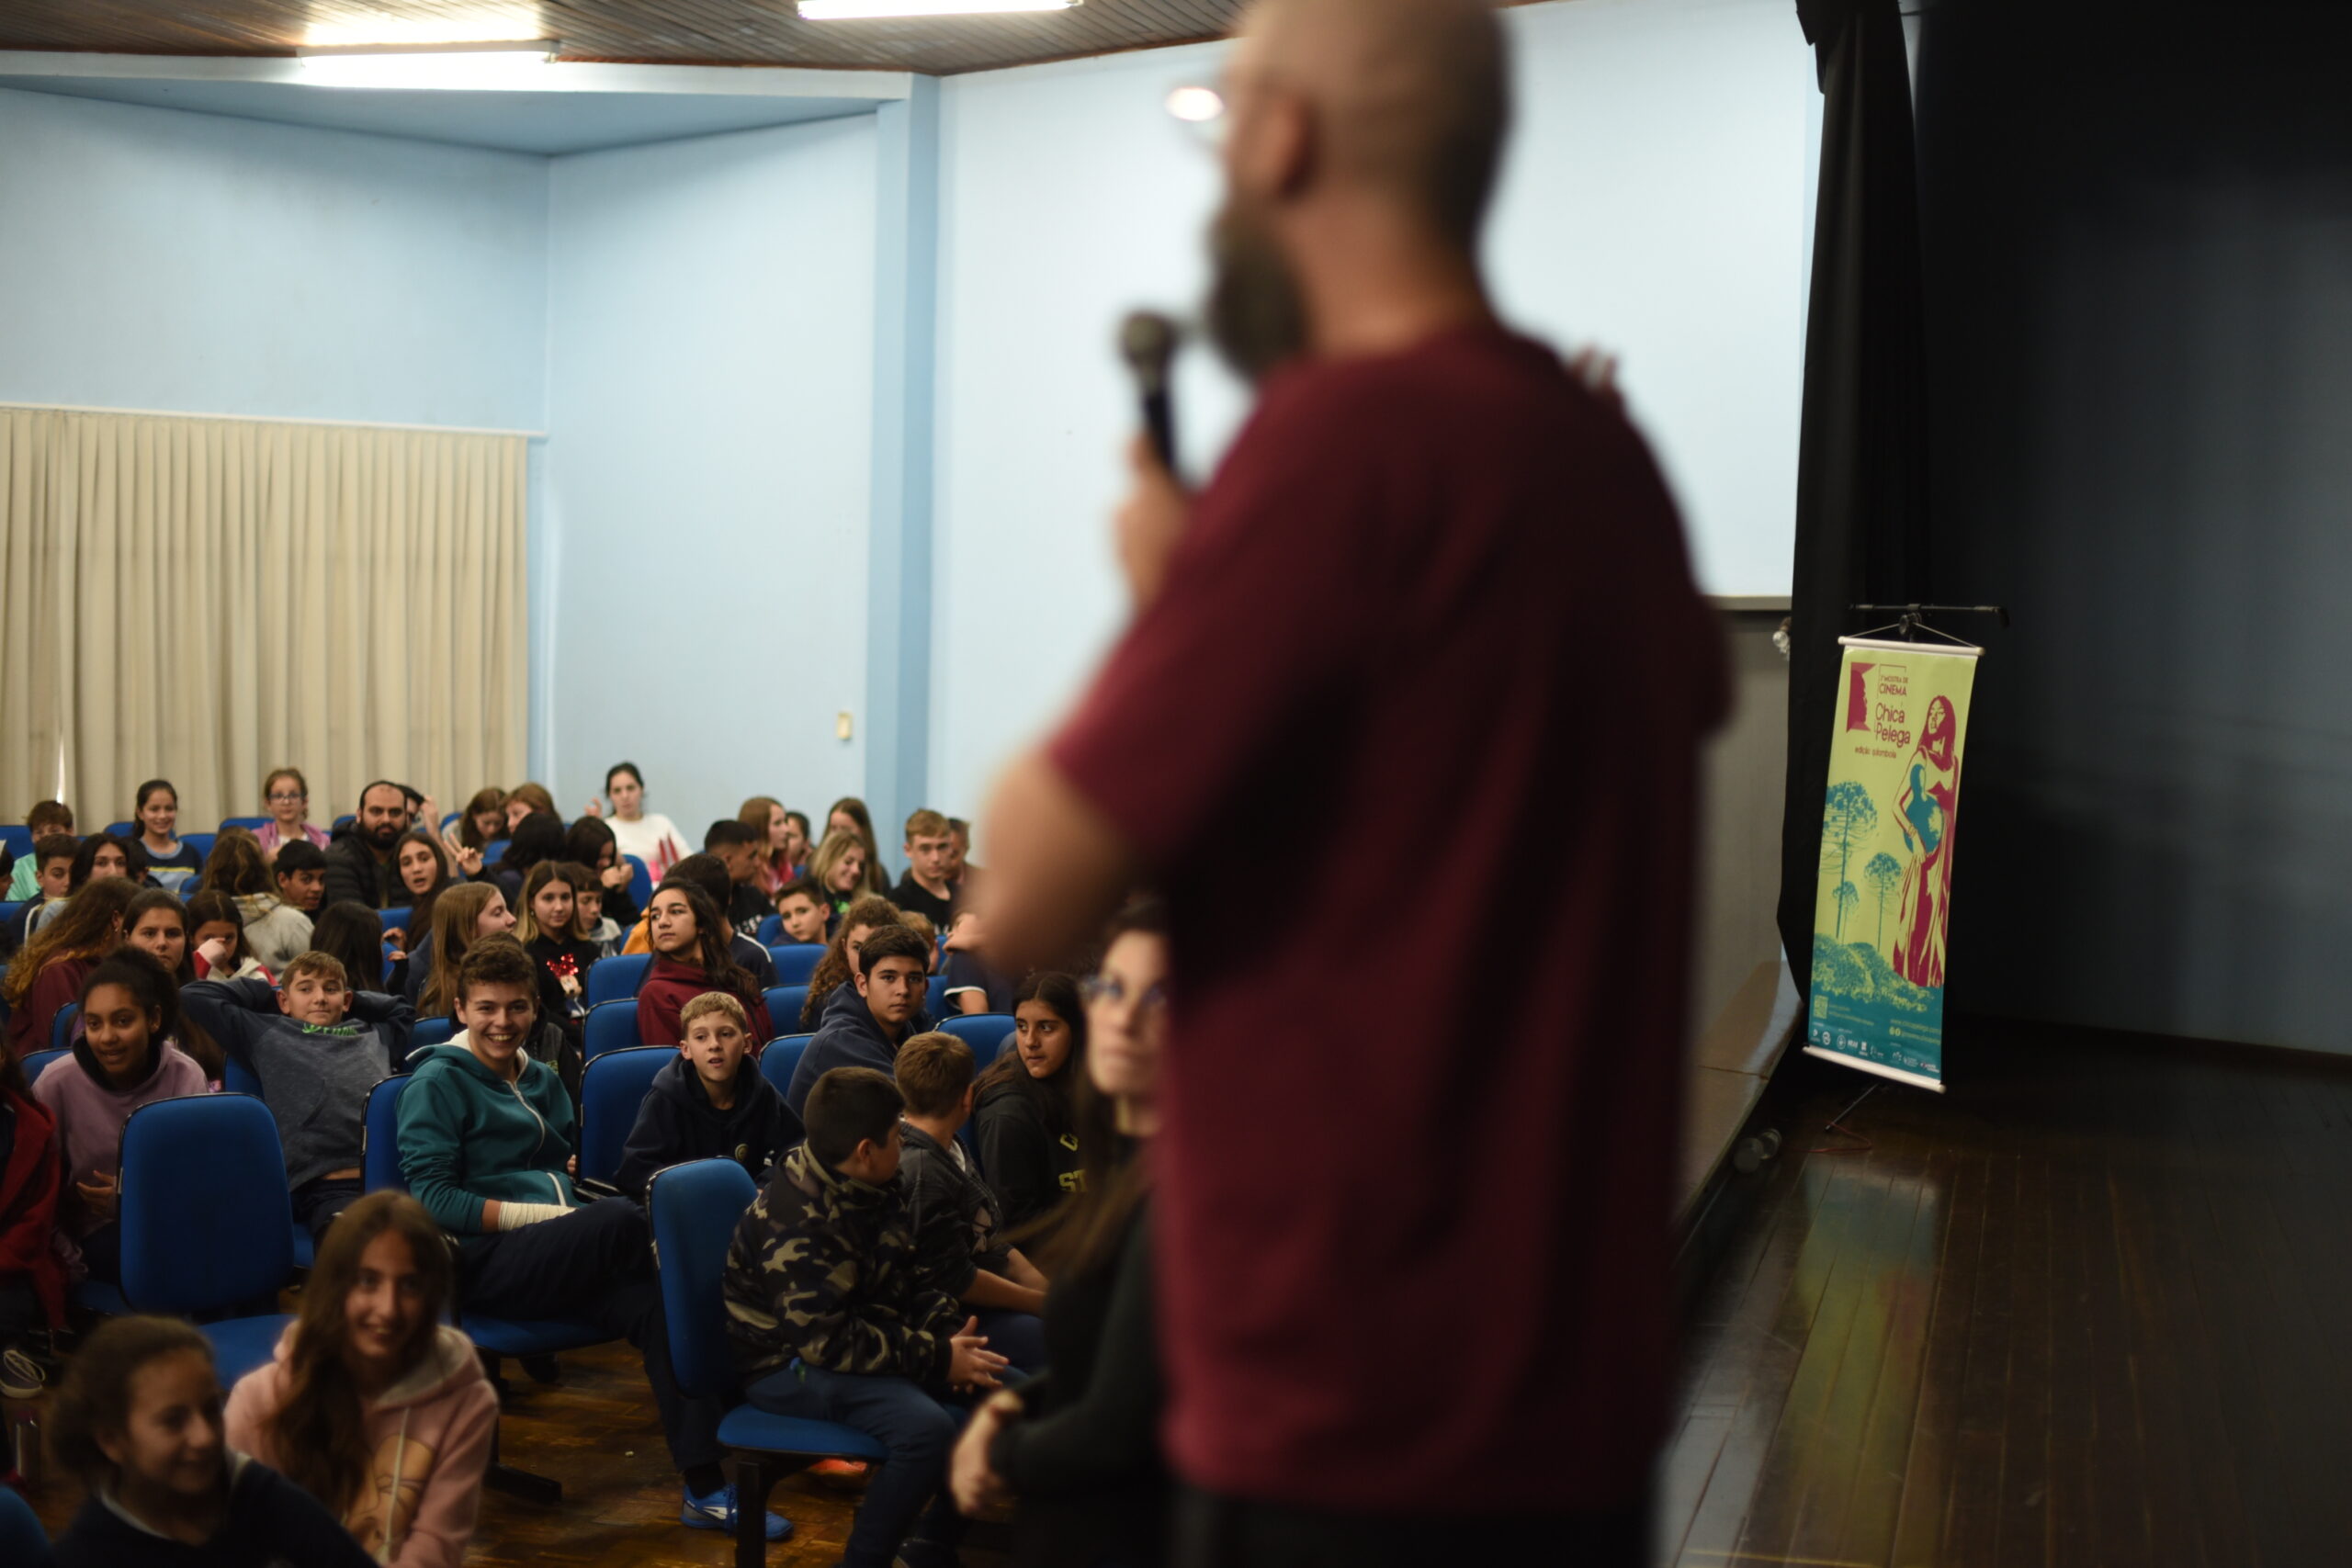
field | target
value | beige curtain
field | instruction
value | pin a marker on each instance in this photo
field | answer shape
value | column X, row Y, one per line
column 203, row 600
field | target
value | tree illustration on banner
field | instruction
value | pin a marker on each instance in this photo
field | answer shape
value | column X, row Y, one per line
column 1884, row 874
column 1847, row 819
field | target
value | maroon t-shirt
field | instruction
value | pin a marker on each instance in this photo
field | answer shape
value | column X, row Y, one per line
column 1413, row 1178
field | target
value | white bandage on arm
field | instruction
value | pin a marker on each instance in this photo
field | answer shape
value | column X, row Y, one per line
column 514, row 1216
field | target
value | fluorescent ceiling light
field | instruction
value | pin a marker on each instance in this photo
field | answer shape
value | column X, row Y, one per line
column 851, row 10
column 456, row 65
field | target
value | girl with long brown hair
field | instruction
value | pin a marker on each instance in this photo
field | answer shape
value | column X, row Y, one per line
column 862, row 920
column 48, row 971
column 691, row 953
column 373, row 1405
column 461, row 917
column 275, row 931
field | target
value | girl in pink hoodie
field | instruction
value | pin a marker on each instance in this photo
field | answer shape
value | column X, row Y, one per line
column 373, row 1405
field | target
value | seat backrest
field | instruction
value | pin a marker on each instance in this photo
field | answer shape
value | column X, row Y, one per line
column 396, row 918
column 380, row 1158
column 201, row 842
column 37, row 1062
column 18, row 838
column 345, row 820
column 611, row 1088
column 612, row 1026
column 237, row 1078
column 431, row 1031
column 11, row 908
column 493, row 851
column 796, row 961
column 693, row 1207
column 61, row 1032
column 200, row 1246
column 123, row 830
column 23, row 1543
column 610, row 979
column 985, row 1033
column 770, row 929
column 782, row 1059
column 640, row 882
column 249, row 824
column 784, row 1003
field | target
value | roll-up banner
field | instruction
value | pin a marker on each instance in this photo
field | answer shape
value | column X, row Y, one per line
column 1887, row 828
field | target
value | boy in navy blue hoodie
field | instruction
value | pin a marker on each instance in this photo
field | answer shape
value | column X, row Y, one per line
column 709, row 1104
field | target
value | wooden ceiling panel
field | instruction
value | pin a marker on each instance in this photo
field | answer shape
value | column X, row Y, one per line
column 679, row 32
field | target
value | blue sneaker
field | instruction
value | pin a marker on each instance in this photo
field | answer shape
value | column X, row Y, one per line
column 717, row 1511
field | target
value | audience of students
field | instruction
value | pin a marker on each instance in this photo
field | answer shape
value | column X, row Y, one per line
column 865, row 1024
column 831, row 1317
column 843, row 867
column 276, row 930
column 849, row 814
column 1078, row 1446
column 487, row 1144
column 691, row 955
column 739, row 850
column 32, row 1274
column 1024, row 1115
column 862, row 920
column 157, row 851
column 46, row 818
column 359, row 860
column 650, row 836
column 124, row 1059
column 710, row 1103
column 782, row 836
column 959, row 1237
column 373, row 1405
column 316, row 1045
column 286, row 796
column 48, row 972
column 929, row 887
column 138, row 1421
column 805, row 913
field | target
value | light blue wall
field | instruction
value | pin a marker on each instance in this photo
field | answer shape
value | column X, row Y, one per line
column 152, row 258
column 710, row 371
column 1655, row 201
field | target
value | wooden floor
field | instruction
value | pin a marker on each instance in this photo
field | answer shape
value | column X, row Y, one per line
column 2088, row 1308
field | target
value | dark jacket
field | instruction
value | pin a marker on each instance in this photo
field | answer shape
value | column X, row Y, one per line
column 1030, row 1167
column 677, row 1122
column 1084, row 1459
column 270, row 1520
column 848, row 1037
column 747, row 907
column 352, row 872
column 956, row 1234
column 823, row 1269
column 916, row 899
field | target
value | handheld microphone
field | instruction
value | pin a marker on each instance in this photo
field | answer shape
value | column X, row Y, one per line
column 1147, row 342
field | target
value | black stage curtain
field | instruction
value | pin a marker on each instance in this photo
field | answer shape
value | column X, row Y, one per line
column 1861, row 534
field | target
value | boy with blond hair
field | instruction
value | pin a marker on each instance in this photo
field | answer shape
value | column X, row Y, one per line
column 710, row 1103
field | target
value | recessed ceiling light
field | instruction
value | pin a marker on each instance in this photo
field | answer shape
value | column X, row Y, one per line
column 855, row 10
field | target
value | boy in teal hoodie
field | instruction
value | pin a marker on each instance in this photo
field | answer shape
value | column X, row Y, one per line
column 487, row 1141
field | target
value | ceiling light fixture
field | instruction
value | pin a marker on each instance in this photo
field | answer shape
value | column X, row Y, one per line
column 859, row 10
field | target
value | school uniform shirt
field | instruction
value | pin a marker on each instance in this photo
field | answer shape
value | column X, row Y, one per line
column 270, row 1522
column 677, row 1122
column 1442, row 583
column 429, row 1436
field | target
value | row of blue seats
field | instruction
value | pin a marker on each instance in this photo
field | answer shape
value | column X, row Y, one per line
column 202, row 1250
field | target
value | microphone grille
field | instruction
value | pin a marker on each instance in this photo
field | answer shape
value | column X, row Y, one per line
column 1147, row 342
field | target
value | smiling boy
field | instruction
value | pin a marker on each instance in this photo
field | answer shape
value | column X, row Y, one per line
column 317, row 1047
column 710, row 1103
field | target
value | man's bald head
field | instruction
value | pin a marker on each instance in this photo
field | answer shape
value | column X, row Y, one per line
column 1410, row 97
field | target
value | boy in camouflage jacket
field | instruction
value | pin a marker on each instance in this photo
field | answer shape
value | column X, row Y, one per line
column 830, row 1320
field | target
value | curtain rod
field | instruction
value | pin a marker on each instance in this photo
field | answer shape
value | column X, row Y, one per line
column 273, row 419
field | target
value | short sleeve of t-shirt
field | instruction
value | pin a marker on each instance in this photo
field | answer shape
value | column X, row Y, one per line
column 1262, row 608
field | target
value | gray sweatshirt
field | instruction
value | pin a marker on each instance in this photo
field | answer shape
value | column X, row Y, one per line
column 315, row 1080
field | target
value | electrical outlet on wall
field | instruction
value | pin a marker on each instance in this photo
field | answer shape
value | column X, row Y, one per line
column 842, row 724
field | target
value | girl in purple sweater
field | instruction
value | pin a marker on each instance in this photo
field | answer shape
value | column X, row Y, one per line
column 121, row 1062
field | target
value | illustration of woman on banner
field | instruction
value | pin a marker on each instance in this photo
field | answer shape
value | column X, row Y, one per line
column 1923, row 813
